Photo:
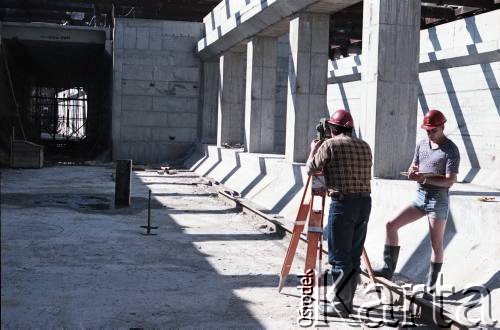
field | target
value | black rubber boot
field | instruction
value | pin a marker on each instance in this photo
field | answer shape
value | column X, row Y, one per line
column 391, row 254
column 341, row 305
column 434, row 270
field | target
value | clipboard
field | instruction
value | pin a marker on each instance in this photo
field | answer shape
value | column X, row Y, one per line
column 425, row 174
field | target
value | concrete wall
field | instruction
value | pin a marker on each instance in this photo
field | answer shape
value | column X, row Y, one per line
column 156, row 76
column 459, row 75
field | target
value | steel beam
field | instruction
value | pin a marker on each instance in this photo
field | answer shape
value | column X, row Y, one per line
column 57, row 33
column 468, row 3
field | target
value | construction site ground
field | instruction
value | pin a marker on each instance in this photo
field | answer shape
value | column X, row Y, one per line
column 71, row 259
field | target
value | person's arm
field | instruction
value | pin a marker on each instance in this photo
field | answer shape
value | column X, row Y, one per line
column 316, row 160
column 445, row 182
column 414, row 164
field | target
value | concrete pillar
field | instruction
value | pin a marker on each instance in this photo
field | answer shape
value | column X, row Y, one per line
column 123, row 178
column 210, row 90
column 307, row 81
column 391, row 38
column 231, row 99
column 260, row 96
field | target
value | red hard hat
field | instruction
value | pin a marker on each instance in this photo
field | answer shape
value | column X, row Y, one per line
column 341, row 118
column 433, row 119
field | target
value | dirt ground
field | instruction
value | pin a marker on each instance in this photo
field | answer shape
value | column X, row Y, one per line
column 70, row 259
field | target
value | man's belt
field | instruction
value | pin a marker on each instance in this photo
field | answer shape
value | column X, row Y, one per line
column 341, row 196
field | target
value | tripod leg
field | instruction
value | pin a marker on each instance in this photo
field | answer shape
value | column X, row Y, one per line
column 368, row 265
column 314, row 232
column 298, row 227
column 320, row 259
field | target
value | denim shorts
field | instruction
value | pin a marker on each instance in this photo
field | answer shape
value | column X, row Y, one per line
column 433, row 202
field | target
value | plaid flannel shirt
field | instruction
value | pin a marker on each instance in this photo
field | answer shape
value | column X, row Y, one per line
column 346, row 163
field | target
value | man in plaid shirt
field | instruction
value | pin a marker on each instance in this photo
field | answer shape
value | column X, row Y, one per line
column 346, row 163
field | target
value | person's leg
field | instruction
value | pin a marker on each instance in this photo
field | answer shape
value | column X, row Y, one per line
column 361, row 224
column 391, row 249
column 437, row 228
column 407, row 215
column 340, row 233
column 359, row 236
column 437, row 216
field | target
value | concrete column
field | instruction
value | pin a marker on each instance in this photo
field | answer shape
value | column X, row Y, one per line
column 260, row 97
column 307, row 81
column 231, row 99
column 391, row 37
column 210, row 90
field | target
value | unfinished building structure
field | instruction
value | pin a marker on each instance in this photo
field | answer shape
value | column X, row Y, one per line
column 234, row 89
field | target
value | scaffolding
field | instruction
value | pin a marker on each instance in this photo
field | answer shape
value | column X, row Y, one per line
column 59, row 114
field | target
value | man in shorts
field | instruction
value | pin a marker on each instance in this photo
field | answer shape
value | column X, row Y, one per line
column 435, row 168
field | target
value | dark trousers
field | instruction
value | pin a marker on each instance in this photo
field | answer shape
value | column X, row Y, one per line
column 346, row 233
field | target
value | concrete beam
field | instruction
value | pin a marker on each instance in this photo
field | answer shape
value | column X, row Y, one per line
column 391, row 37
column 56, row 33
column 260, row 100
column 306, row 94
column 348, row 70
column 230, row 23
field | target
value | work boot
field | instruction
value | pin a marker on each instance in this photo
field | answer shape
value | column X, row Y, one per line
column 341, row 305
column 391, row 253
column 434, row 270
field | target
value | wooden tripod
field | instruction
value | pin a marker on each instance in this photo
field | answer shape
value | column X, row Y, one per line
column 314, row 219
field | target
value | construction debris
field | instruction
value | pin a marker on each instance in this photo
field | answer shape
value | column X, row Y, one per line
column 233, row 146
column 487, row 199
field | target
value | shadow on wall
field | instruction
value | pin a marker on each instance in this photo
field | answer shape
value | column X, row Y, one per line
column 235, row 168
column 457, row 110
column 258, row 178
column 492, row 284
column 418, row 264
column 280, row 205
column 219, row 160
column 294, row 190
column 470, row 25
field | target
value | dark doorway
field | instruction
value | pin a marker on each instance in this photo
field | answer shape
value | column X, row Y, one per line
column 61, row 97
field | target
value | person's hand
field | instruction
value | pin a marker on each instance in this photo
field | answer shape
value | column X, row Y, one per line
column 414, row 175
column 412, row 172
column 315, row 144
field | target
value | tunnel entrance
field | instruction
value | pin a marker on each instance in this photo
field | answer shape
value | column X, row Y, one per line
column 58, row 117
column 57, row 94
